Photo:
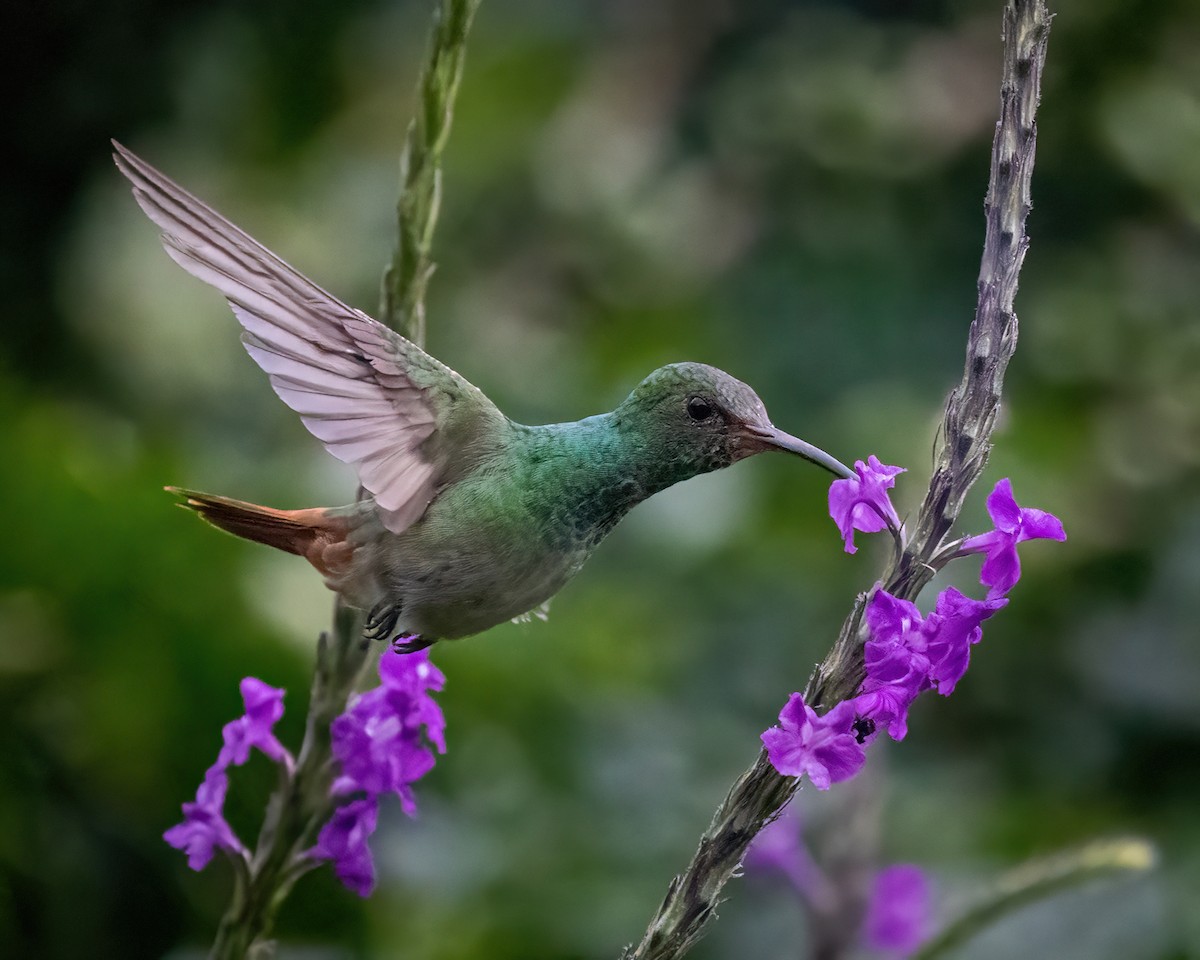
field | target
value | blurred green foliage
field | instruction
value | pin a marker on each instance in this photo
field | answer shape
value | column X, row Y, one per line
column 790, row 190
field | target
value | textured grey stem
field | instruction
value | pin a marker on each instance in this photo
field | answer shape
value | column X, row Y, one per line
column 301, row 805
column 973, row 406
column 971, row 410
column 1035, row 881
column 965, row 440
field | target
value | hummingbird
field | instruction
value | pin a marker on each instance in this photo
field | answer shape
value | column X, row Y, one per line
column 466, row 518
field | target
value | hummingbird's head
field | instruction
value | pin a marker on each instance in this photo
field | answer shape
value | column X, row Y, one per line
column 697, row 418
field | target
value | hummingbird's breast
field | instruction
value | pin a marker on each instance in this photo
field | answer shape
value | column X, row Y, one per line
column 502, row 540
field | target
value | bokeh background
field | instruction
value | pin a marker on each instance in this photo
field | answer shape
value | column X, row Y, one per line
column 790, row 190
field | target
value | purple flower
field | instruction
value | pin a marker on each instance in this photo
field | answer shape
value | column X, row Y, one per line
column 862, row 503
column 1014, row 524
column 896, row 651
column 780, row 847
column 896, row 662
column 415, row 676
column 953, row 627
column 381, row 740
column 824, row 747
column 908, row 654
column 264, row 707
column 344, row 841
column 899, row 912
column 204, row 829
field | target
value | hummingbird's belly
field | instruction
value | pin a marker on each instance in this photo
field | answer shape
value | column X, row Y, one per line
column 449, row 614
column 457, row 594
column 471, row 565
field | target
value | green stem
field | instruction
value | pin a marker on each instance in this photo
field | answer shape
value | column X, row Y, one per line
column 301, row 805
column 1037, row 880
column 966, row 431
column 405, row 278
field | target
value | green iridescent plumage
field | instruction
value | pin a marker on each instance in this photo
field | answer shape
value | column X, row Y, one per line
column 471, row 519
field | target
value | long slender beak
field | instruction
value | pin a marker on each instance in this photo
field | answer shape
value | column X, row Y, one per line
column 774, row 438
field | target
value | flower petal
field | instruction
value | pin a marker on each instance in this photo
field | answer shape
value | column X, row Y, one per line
column 955, row 624
column 1002, row 569
column 899, row 913
column 786, row 751
column 1002, row 507
column 344, row 841
column 887, row 705
column 889, row 618
column 263, row 702
column 1040, row 525
column 204, row 829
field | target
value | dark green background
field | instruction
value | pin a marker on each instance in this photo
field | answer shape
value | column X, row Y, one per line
column 791, row 191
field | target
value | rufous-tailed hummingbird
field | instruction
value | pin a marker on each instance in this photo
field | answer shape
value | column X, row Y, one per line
column 468, row 518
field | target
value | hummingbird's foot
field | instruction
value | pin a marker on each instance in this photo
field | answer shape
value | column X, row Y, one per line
column 410, row 643
column 381, row 621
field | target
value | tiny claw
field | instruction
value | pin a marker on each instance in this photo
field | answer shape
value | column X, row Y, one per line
column 381, row 620
column 410, row 643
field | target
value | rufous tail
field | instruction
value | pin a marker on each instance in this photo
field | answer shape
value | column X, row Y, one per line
column 315, row 534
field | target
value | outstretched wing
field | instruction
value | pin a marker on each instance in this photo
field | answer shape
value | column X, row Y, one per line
column 373, row 398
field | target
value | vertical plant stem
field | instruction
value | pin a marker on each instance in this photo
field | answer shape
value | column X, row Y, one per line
column 405, row 279
column 972, row 408
column 965, row 440
column 301, row 804
column 964, row 437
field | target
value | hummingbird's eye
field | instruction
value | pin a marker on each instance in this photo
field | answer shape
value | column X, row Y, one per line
column 699, row 409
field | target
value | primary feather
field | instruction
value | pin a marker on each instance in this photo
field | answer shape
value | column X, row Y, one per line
column 374, row 399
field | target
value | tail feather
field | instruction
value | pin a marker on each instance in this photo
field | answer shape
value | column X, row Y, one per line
column 295, row 531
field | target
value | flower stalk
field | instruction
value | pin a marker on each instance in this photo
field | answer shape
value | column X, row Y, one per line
column 296, row 809
column 959, row 459
column 302, row 802
column 408, row 273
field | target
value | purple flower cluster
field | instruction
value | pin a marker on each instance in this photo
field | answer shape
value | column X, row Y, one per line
column 907, row 653
column 382, row 742
column 204, row 828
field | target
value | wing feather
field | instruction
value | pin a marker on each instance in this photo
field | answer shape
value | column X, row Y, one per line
column 373, row 398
